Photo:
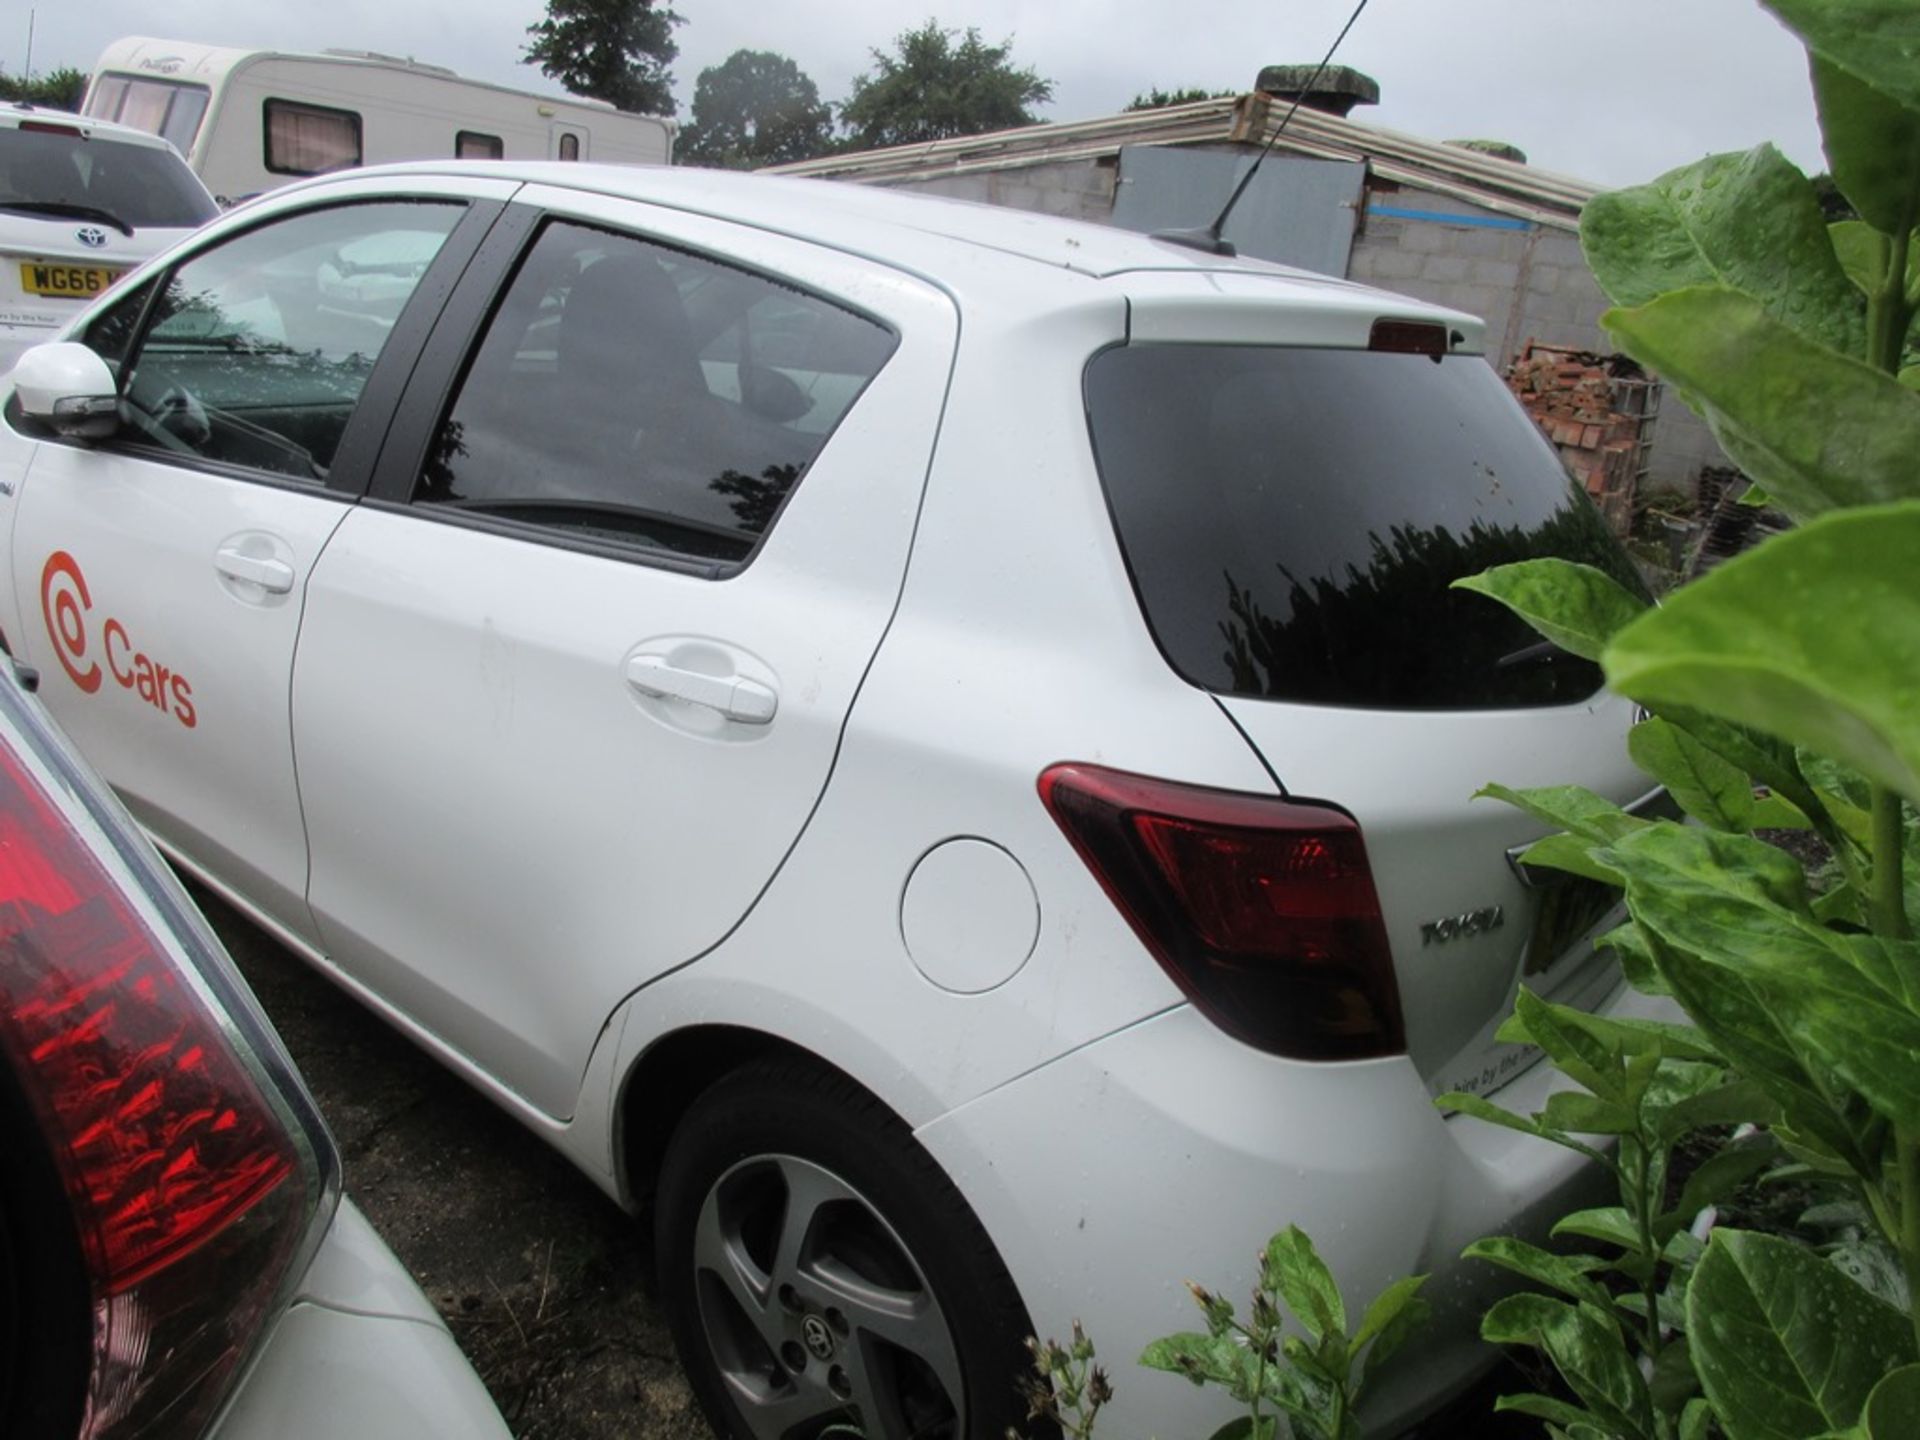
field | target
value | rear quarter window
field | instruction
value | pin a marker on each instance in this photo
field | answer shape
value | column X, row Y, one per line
column 1293, row 520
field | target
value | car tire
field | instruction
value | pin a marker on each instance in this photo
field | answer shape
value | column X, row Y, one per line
column 819, row 1270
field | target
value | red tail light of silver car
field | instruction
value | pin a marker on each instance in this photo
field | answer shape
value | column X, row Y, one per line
column 194, row 1173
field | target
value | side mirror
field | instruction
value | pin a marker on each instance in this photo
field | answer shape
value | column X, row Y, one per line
column 67, row 386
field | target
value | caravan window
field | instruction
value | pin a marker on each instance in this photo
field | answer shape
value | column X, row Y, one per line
column 160, row 107
column 471, row 145
column 309, row 139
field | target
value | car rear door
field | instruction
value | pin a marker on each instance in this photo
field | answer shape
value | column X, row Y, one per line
column 160, row 575
column 573, row 677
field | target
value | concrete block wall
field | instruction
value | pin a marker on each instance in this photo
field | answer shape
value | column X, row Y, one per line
column 1076, row 189
column 1528, row 282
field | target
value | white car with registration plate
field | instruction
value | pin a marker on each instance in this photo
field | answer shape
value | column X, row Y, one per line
column 81, row 202
column 928, row 749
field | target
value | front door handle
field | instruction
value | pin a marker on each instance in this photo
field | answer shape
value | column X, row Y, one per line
column 734, row 696
column 273, row 576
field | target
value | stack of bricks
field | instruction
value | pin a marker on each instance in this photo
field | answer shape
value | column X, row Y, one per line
column 1585, row 405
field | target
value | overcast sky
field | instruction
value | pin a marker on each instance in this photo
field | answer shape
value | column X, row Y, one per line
column 1612, row 92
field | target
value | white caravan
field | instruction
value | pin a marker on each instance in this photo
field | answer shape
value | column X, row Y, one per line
column 249, row 120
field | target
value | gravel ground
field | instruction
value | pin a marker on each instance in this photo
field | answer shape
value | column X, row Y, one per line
column 542, row 1278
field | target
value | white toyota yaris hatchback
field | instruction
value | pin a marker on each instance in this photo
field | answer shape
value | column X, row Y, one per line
column 928, row 749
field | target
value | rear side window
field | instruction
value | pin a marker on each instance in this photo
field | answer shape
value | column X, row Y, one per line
column 625, row 392
column 54, row 170
column 310, row 139
column 1293, row 520
column 472, row 145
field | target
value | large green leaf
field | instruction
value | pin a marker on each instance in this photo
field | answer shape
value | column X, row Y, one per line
column 1893, row 1409
column 1201, row 1358
column 1840, row 1003
column 1586, row 1347
column 1294, row 1268
column 1750, row 222
column 1784, row 1344
column 1571, row 807
column 1721, row 1002
column 1593, row 1060
column 1818, row 429
column 1814, row 637
column 1873, row 145
column 1391, row 1320
column 1878, row 40
column 1569, row 1274
column 1575, row 606
column 1772, row 762
column 1712, row 790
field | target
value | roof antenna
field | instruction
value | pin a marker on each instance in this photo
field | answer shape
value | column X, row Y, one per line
column 1210, row 241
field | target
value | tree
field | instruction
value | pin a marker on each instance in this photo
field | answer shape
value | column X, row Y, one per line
column 1158, row 99
column 60, row 89
column 612, row 50
column 755, row 108
column 932, row 89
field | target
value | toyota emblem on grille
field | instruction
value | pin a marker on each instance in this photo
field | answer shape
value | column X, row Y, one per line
column 91, row 238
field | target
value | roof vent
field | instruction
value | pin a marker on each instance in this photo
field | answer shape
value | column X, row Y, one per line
column 1499, row 149
column 1338, row 90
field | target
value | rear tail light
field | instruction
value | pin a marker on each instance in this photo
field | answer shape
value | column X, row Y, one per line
column 44, row 127
column 1261, row 910
column 193, row 1168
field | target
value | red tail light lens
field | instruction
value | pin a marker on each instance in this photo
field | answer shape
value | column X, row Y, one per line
column 1261, row 910
column 190, row 1191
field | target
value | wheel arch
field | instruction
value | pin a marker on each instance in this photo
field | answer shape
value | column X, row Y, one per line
column 666, row 1078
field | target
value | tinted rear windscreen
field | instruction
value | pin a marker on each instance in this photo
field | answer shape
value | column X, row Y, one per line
column 1293, row 520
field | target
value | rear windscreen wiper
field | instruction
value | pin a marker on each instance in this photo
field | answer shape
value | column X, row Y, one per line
column 68, row 211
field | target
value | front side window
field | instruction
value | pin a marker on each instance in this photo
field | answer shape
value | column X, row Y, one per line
column 310, row 139
column 258, row 349
column 628, row 393
column 167, row 108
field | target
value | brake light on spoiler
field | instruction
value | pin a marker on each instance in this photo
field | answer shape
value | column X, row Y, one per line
column 1261, row 909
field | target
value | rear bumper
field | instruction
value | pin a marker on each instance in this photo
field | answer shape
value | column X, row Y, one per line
column 360, row 1355
column 1169, row 1153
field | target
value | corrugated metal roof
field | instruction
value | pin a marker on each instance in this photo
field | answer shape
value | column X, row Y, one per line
column 1504, row 187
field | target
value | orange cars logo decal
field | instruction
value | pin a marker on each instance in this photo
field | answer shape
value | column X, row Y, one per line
column 67, row 604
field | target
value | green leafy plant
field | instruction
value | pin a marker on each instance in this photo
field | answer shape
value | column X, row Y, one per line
column 1310, row 1381
column 1614, row 1326
column 1786, row 691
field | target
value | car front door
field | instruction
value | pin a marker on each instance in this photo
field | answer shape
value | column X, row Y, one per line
column 573, row 677
column 159, row 575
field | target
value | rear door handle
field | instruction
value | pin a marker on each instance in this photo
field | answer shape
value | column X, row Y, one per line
column 273, row 576
column 734, row 696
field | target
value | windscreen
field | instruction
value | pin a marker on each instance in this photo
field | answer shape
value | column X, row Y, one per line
column 140, row 186
column 1293, row 520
